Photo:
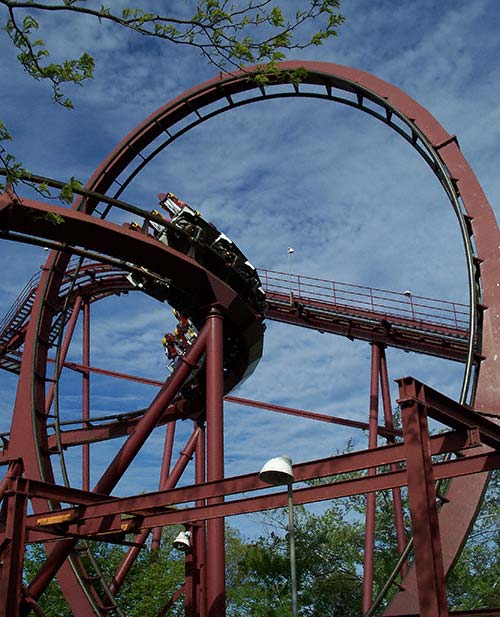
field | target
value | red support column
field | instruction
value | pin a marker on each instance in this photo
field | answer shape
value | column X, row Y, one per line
column 86, row 392
column 371, row 497
column 396, row 492
column 164, row 473
column 12, row 548
column 190, row 578
column 201, row 533
column 422, row 497
column 216, row 603
column 70, row 328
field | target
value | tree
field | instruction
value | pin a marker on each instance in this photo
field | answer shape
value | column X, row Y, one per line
column 153, row 578
column 475, row 579
column 228, row 34
column 329, row 550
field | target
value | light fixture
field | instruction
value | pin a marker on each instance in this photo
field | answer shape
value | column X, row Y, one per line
column 278, row 471
column 290, row 252
column 182, row 542
column 408, row 294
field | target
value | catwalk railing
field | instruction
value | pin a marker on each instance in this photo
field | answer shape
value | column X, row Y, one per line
column 405, row 305
column 395, row 319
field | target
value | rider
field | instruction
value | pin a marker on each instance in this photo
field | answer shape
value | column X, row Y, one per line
column 168, row 342
column 172, row 204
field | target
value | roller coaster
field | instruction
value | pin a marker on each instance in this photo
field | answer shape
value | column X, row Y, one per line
column 188, row 263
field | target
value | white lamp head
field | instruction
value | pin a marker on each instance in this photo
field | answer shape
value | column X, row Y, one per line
column 277, row 471
column 407, row 293
column 182, row 541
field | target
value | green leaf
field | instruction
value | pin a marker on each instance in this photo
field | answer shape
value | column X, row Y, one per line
column 276, row 17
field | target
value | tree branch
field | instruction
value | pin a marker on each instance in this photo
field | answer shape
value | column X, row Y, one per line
column 227, row 34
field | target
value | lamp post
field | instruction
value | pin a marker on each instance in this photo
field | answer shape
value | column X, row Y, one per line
column 408, row 294
column 278, row 471
column 290, row 253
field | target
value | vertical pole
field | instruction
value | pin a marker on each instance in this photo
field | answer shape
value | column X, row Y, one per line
column 190, row 587
column 70, row 328
column 396, row 492
column 201, row 533
column 216, row 604
column 164, row 473
column 86, row 392
column 371, row 497
column 12, row 548
column 422, row 497
column 293, row 559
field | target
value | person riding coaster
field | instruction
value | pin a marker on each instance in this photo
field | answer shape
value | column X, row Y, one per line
column 177, row 343
column 188, row 232
column 172, row 204
column 185, row 231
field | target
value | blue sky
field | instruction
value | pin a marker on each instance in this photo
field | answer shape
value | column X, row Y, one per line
column 352, row 198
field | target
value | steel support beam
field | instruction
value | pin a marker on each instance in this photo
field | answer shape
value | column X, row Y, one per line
column 60, row 361
column 423, row 509
column 164, row 473
column 371, row 497
column 342, row 464
column 449, row 412
column 201, row 529
column 124, row 457
column 12, row 548
column 133, row 552
column 396, row 492
column 166, row 608
column 216, row 603
column 190, row 580
column 93, row 526
column 86, row 393
column 91, row 522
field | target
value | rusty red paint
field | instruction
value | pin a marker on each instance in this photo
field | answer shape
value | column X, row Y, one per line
column 423, row 509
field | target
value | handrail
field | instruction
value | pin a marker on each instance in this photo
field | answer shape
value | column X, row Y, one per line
column 370, row 299
column 31, row 286
column 20, row 301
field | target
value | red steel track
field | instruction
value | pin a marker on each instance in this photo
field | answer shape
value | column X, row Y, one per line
column 383, row 318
